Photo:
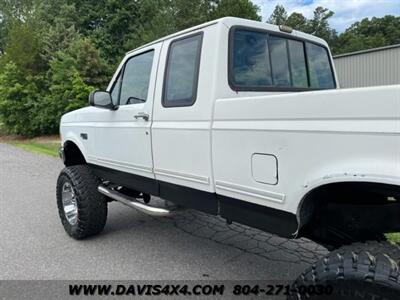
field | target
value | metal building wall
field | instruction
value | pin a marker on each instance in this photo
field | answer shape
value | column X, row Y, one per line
column 380, row 66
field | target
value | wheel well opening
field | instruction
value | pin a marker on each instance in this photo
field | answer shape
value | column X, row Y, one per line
column 72, row 154
column 342, row 213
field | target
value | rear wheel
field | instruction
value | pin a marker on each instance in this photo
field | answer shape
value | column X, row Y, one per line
column 82, row 209
column 359, row 271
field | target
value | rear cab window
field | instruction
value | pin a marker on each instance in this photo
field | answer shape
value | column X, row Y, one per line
column 260, row 60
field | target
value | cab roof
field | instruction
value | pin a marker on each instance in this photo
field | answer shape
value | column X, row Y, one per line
column 233, row 21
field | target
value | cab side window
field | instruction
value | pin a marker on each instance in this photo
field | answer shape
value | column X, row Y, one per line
column 182, row 71
column 136, row 79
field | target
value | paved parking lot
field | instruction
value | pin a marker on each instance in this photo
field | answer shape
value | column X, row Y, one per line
column 189, row 245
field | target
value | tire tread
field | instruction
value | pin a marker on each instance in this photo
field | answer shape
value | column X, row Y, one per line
column 370, row 262
column 92, row 206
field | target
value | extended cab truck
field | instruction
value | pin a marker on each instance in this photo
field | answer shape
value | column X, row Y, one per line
column 244, row 120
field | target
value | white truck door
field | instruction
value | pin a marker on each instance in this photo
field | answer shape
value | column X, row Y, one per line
column 122, row 139
column 182, row 111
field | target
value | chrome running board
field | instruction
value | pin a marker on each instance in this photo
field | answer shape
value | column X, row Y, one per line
column 132, row 202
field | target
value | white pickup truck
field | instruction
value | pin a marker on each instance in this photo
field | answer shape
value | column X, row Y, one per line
column 245, row 120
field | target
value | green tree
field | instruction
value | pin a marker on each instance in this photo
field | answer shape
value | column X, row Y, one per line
column 364, row 34
column 54, row 52
column 47, row 68
column 279, row 16
column 19, row 95
column 111, row 26
column 22, row 47
column 90, row 66
column 67, row 91
column 319, row 24
column 235, row 8
column 298, row 22
column 56, row 12
column 73, row 74
column 11, row 10
column 57, row 38
column 158, row 18
column 369, row 33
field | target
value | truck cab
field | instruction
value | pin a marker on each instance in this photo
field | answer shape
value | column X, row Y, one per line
column 244, row 120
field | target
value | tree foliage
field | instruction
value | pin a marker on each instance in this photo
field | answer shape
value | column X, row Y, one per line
column 237, row 8
column 365, row 34
column 22, row 47
column 54, row 52
column 318, row 25
column 279, row 16
column 297, row 21
column 369, row 33
column 19, row 94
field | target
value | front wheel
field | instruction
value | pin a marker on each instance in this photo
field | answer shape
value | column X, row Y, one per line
column 359, row 271
column 82, row 209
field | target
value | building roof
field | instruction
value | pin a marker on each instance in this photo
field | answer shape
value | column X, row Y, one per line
column 367, row 51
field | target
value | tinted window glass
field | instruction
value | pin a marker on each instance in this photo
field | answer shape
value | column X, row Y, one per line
column 115, row 90
column 319, row 67
column 182, row 71
column 280, row 63
column 136, row 78
column 251, row 65
column 260, row 61
column 297, row 64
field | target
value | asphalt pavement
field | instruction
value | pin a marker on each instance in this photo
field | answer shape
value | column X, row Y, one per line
column 133, row 246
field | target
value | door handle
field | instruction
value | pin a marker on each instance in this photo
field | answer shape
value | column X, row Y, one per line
column 142, row 115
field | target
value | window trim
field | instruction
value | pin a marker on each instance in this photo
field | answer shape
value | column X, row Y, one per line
column 113, row 86
column 183, row 102
column 122, row 72
column 241, row 88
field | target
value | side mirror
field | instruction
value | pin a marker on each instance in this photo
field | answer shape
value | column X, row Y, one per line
column 101, row 99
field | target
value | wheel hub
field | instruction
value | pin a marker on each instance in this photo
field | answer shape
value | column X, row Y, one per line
column 69, row 203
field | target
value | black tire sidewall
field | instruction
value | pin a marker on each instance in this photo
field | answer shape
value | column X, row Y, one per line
column 92, row 206
column 72, row 230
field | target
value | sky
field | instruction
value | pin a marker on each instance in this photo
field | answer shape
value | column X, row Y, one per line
column 346, row 11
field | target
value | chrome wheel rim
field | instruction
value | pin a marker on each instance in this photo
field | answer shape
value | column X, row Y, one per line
column 70, row 204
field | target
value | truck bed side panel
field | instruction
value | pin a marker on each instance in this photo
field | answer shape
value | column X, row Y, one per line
column 316, row 137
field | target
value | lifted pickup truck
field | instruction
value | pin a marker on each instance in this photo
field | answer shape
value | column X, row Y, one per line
column 245, row 120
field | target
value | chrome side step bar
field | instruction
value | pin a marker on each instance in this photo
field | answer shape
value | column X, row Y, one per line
column 132, row 202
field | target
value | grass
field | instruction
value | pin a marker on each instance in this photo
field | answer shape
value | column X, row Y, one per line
column 393, row 237
column 41, row 147
column 47, row 145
